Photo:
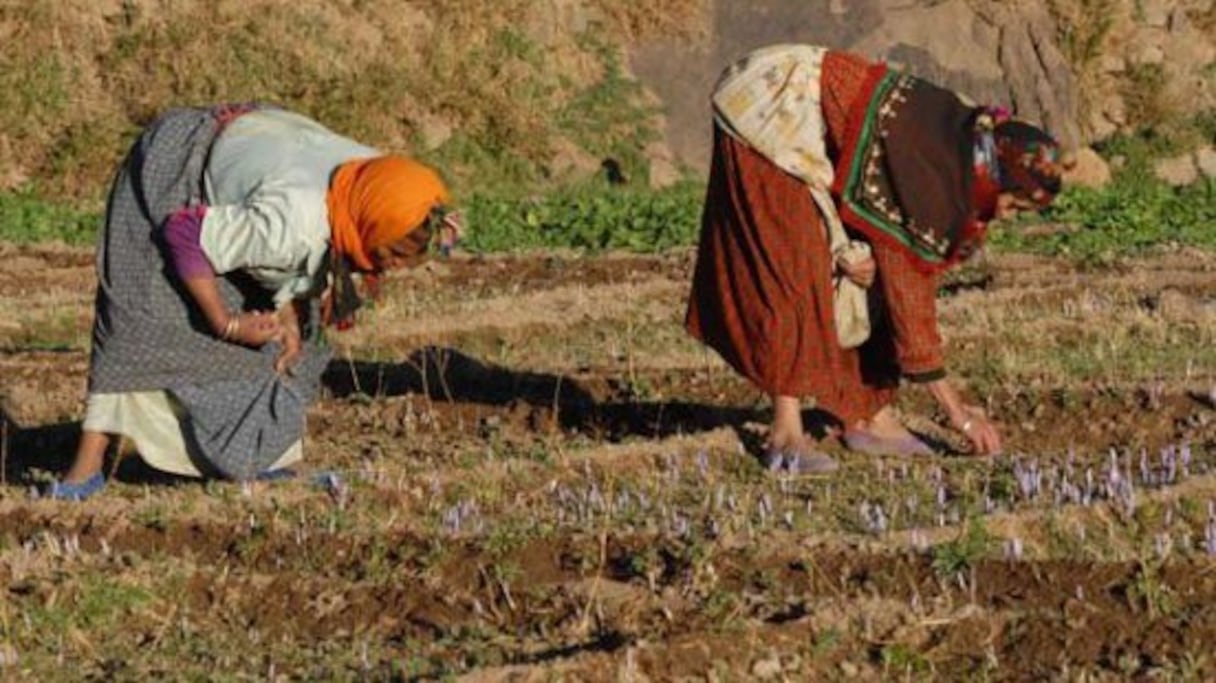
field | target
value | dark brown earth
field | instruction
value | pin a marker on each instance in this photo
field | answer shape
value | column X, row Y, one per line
column 463, row 388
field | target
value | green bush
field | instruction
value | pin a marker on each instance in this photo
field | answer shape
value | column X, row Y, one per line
column 593, row 218
column 1134, row 215
column 26, row 218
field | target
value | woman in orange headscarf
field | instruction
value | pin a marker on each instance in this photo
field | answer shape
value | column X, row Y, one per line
column 231, row 236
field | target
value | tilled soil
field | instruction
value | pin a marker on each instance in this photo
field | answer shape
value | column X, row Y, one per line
column 483, row 407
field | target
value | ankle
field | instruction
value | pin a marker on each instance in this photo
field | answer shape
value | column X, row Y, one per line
column 85, row 467
column 789, row 440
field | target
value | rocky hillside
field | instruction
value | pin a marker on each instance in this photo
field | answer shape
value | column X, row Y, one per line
column 1088, row 69
column 523, row 94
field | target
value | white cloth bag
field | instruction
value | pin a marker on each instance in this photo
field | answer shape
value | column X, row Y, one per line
column 771, row 101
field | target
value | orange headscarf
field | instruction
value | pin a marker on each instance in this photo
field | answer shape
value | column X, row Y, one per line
column 376, row 202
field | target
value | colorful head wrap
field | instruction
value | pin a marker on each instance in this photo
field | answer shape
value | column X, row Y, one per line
column 1027, row 161
column 376, row 202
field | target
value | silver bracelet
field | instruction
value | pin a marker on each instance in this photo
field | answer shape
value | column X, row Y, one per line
column 232, row 327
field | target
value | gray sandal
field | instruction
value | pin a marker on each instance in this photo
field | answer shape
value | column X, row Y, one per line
column 795, row 462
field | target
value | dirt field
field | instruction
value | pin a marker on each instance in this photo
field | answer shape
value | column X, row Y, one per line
column 530, row 473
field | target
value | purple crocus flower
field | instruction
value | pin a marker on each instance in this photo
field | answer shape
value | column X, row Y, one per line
column 1013, row 549
column 1209, row 541
column 452, row 519
column 1113, row 476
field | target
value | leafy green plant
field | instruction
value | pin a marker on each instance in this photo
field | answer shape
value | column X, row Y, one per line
column 1129, row 217
column 898, row 658
column 24, row 217
column 592, row 218
column 1149, row 591
column 964, row 552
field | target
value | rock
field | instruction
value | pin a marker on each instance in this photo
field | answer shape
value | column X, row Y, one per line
column 663, row 169
column 1112, row 64
column 1091, row 170
column 1188, row 52
column 1101, row 127
column 1155, row 13
column 1178, row 171
column 1150, row 54
column 993, row 51
column 569, row 161
column 1179, row 21
column 1176, row 306
column 766, row 669
column 433, row 131
column 1205, row 159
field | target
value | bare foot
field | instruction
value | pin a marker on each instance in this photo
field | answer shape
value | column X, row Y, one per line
column 83, row 469
column 885, row 425
column 90, row 456
column 796, row 443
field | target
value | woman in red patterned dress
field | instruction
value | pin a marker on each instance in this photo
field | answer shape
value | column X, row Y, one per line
column 912, row 171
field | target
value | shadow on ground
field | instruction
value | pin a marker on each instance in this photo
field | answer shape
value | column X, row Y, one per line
column 446, row 374
column 443, row 374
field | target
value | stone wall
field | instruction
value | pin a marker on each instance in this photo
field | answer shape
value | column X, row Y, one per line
column 998, row 51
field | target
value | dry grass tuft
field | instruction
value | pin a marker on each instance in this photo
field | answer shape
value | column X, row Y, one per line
column 478, row 85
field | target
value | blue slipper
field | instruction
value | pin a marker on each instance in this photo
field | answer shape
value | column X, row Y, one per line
column 281, row 474
column 76, row 492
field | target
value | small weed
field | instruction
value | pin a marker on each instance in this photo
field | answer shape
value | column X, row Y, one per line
column 1149, row 593
column 153, row 517
column 25, row 217
column 900, row 659
column 1084, row 26
column 961, row 554
column 722, row 608
column 825, row 642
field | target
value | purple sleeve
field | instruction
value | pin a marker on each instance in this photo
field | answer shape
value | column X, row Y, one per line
column 182, row 230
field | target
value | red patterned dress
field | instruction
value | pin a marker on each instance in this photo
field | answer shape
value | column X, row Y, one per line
column 762, row 288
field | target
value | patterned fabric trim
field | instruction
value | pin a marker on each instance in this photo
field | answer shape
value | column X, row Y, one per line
column 866, row 192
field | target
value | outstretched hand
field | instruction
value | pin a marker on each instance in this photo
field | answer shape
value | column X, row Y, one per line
column 292, row 350
column 982, row 432
column 289, row 338
column 861, row 272
column 253, row 329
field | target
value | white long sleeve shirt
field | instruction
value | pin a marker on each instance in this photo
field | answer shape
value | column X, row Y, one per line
column 266, row 183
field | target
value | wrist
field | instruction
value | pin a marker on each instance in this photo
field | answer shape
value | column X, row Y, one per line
column 229, row 326
column 219, row 322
